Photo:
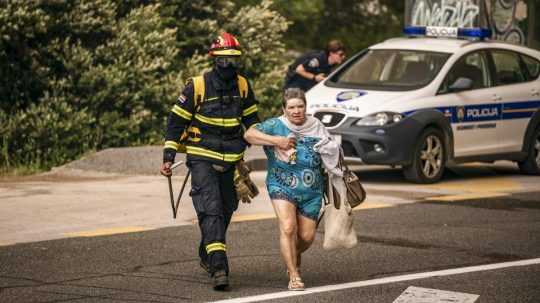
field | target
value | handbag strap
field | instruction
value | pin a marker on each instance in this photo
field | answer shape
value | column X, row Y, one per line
column 342, row 165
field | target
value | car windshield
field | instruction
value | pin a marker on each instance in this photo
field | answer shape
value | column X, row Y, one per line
column 389, row 69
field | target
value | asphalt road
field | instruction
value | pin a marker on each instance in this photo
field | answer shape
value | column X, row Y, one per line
column 474, row 222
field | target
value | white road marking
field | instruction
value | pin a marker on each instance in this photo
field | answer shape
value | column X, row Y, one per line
column 415, row 294
column 386, row 280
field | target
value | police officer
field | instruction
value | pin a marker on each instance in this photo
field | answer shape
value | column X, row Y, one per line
column 213, row 109
column 313, row 67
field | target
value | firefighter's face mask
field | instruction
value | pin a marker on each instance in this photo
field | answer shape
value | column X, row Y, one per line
column 226, row 67
column 227, row 62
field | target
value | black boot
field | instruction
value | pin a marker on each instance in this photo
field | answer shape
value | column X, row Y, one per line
column 204, row 265
column 221, row 280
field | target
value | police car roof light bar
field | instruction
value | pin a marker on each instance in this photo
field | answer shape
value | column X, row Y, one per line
column 475, row 32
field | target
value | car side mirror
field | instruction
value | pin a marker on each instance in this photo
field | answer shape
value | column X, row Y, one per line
column 460, row 84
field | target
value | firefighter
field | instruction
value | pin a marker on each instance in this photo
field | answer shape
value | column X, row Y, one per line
column 313, row 67
column 208, row 121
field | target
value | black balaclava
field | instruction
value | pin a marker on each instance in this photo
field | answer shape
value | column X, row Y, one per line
column 226, row 73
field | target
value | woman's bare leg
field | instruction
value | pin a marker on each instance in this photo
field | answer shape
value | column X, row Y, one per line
column 286, row 214
column 306, row 235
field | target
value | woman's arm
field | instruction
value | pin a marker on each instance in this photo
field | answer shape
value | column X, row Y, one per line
column 256, row 137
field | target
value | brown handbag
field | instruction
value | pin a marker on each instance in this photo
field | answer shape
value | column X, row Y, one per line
column 355, row 191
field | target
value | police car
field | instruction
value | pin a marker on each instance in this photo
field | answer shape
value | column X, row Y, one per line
column 423, row 103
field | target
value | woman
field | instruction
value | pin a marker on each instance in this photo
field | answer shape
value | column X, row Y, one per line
column 295, row 178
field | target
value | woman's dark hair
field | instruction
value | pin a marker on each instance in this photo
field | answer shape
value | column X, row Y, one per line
column 293, row 93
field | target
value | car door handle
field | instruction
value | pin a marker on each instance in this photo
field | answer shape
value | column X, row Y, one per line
column 535, row 92
column 496, row 98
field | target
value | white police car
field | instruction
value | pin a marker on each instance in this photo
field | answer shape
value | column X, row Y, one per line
column 423, row 103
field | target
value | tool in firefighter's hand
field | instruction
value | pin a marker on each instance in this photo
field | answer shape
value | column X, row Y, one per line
column 245, row 188
column 171, row 194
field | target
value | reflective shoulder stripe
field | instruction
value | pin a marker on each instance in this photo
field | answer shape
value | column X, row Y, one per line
column 181, row 112
column 199, row 90
column 250, row 110
column 171, row 144
column 224, row 122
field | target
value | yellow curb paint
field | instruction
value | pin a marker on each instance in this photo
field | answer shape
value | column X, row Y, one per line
column 467, row 196
column 252, row 217
column 107, row 231
column 242, row 218
column 492, row 184
column 371, row 205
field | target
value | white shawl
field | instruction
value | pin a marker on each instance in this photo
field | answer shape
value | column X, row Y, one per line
column 327, row 147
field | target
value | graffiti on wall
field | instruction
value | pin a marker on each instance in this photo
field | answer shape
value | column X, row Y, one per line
column 445, row 13
column 504, row 17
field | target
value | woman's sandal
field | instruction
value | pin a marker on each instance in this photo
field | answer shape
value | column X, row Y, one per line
column 296, row 284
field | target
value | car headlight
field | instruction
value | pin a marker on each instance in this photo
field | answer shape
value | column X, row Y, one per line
column 380, row 119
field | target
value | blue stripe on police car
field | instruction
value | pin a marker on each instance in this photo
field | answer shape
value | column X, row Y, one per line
column 487, row 112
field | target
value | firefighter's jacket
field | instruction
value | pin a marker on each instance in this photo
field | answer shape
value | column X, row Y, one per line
column 215, row 123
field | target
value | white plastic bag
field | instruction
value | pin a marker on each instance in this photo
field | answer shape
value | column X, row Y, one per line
column 338, row 223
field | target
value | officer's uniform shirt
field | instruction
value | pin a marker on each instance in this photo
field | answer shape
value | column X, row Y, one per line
column 313, row 62
column 217, row 134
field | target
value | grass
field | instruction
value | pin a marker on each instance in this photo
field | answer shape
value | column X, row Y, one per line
column 21, row 170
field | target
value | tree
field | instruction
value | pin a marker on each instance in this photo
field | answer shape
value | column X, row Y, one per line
column 108, row 83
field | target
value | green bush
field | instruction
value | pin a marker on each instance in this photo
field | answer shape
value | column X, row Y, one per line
column 97, row 95
column 44, row 135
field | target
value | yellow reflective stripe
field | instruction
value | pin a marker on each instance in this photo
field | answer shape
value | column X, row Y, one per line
column 226, row 52
column 216, row 246
column 250, row 110
column 225, row 122
column 212, row 99
column 171, row 144
column 233, row 157
column 204, row 152
column 181, row 112
column 214, row 155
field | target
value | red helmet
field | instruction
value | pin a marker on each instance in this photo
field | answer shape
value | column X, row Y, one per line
column 225, row 45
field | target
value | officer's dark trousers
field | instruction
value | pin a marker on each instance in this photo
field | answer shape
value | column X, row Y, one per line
column 214, row 199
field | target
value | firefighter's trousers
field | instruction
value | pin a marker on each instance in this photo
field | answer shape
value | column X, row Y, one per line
column 214, row 199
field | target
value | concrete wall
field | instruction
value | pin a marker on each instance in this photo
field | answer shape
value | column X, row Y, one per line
column 533, row 40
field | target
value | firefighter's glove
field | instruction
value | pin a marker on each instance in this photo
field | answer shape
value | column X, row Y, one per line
column 245, row 188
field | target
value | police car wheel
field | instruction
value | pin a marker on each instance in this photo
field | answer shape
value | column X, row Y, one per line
column 531, row 165
column 429, row 158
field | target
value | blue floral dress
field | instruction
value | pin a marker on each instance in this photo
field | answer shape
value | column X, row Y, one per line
column 300, row 182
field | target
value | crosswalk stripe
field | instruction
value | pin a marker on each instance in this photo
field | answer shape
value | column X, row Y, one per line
column 386, row 280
